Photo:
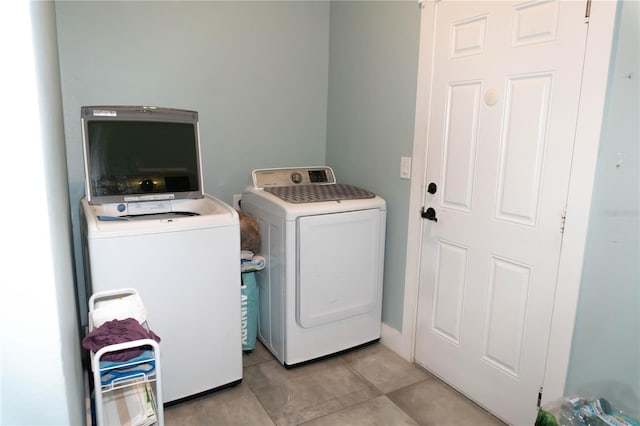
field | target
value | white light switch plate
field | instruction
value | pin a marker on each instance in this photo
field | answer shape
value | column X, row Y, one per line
column 405, row 167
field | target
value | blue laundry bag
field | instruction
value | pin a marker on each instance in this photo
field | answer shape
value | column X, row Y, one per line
column 249, row 310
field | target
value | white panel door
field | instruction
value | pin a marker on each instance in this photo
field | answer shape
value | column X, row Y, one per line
column 505, row 86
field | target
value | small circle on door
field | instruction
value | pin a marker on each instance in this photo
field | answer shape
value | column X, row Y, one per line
column 492, row 97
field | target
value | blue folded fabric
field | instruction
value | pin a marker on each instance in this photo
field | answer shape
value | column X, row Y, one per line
column 251, row 262
column 140, row 365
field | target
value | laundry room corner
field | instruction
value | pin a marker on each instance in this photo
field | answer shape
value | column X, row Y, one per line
column 144, row 136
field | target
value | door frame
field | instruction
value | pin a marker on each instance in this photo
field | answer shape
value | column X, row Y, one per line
column 602, row 24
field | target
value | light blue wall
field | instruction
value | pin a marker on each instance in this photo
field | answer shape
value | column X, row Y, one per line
column 255, row 71
column 372, row 94
column 605, row 359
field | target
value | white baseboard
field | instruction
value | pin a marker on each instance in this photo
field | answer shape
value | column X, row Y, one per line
column 394, row 340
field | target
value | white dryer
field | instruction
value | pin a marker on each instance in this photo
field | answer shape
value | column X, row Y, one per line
column 323, row 242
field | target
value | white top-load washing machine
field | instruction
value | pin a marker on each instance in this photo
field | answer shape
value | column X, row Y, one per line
column 185, row 266
column 147, row 224
column 323, row 243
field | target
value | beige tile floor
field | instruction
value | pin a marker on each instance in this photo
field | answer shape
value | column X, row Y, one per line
column 368, row 386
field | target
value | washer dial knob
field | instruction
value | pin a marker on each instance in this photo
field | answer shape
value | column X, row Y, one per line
column 296, row 177
column 147, row 185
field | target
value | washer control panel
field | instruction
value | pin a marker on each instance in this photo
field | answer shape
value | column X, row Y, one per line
column 264, row 178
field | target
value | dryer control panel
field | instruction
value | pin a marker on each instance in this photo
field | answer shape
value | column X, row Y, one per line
column 265, row 178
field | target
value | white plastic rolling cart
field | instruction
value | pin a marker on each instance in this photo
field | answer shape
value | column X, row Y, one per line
column 133, row 387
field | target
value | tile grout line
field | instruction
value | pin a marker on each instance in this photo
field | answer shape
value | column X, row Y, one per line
column 273, row 420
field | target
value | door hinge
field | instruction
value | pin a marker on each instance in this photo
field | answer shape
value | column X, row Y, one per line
column 587, row 12
column 539, row 397
column 563, row 219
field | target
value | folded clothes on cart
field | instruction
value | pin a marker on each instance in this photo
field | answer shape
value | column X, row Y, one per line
column 250, row 261
column 118, row 331
column 140, row 366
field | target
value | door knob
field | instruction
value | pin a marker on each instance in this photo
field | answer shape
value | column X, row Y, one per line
column 429, row 214
column 432, row 188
